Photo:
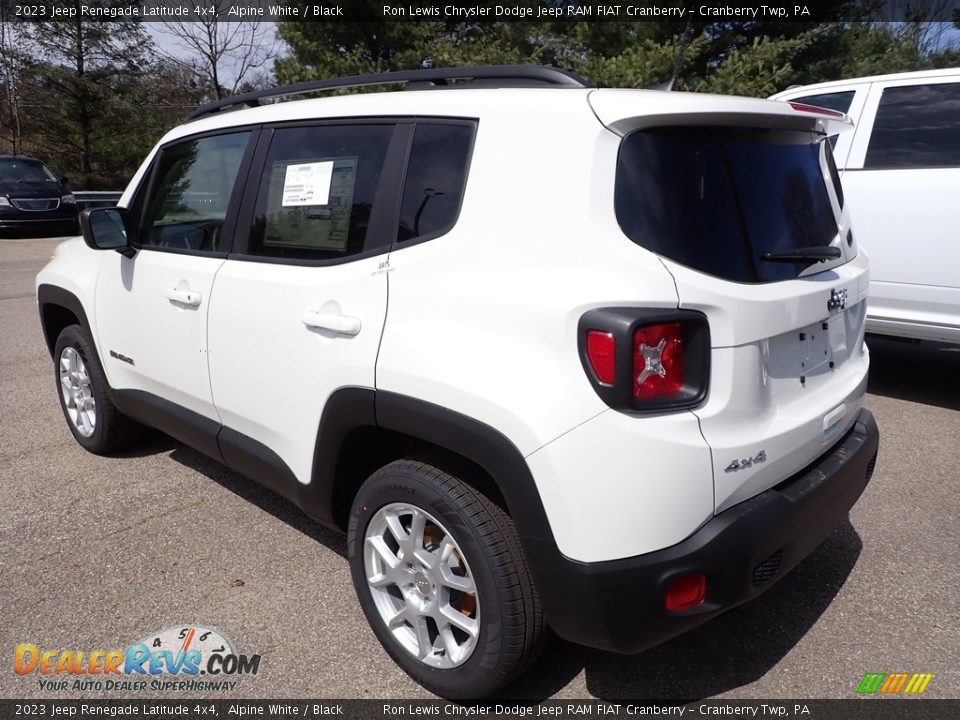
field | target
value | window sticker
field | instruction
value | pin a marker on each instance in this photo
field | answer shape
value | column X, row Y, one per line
column 321, row 226
column 307, row 184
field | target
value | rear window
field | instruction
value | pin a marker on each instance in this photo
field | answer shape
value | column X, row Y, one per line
column 718, row 199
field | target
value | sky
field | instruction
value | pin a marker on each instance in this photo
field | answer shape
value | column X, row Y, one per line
column 169, row 44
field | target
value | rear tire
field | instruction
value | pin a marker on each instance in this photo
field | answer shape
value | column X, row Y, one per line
column 442, row 580
column 94, row 420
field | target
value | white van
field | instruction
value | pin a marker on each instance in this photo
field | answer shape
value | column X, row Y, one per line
column 901, row 177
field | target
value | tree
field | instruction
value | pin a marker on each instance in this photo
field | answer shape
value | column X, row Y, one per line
column 223, row 57
column 85, row 75
column 14, row 51
column 756, row 57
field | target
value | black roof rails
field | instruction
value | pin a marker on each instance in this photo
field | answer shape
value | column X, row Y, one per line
column 480, row 76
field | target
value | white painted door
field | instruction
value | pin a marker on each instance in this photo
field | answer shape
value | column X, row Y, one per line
column 300, row 312
column 152, row 308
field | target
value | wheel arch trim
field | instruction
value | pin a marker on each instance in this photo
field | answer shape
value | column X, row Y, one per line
column 57, row 296
column 350, row 408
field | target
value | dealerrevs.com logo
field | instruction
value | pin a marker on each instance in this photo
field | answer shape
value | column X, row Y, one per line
column 177, row 658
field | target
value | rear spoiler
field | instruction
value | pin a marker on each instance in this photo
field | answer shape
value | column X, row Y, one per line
column 625, row 110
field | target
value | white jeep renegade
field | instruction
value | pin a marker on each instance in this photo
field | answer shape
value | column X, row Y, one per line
column 552, row 356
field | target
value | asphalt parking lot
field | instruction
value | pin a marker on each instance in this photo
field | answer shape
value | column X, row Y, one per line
column 95, row 553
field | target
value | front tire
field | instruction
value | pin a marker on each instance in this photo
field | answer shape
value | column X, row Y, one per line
column 94, row 420
column 442, row 580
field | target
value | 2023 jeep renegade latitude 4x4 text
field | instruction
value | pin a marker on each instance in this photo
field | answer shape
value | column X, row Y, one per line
column 552, row 356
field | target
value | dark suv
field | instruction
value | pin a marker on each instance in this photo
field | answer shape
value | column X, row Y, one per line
column 34, row 198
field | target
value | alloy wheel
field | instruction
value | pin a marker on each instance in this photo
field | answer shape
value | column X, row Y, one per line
column 422, row 585
column 77, row 392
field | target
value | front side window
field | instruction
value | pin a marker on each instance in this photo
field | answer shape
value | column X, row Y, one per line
column 916, row 127
column 191, row 193
column 317, row 191
column 436, row 176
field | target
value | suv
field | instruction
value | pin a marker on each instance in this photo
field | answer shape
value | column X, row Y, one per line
column 551, row 356
column 901, row 174
column 33, row 198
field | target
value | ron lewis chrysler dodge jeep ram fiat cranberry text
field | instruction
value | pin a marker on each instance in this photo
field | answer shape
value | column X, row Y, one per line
column 552, row 356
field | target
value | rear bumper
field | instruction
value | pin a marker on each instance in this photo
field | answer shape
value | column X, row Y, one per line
column 618, row 605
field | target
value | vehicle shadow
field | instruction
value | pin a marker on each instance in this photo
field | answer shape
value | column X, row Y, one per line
column 728, row 652
column 266, row 500
column 153, row 442
column 923, row 373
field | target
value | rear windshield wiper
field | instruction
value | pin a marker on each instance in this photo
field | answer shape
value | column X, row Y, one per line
column 804, row 254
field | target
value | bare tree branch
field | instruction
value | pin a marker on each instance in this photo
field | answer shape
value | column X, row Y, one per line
column 222, row 56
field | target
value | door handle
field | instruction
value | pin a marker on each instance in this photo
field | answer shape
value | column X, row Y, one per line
column 343, row 324
column 184, row 297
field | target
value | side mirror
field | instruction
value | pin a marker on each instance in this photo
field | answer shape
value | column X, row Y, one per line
column 64, row 180
column 106, row 229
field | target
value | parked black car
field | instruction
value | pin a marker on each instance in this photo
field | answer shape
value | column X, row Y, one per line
column 34, row 199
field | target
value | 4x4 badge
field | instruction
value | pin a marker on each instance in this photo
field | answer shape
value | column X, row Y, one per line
column 837, row 301
column 746, row 462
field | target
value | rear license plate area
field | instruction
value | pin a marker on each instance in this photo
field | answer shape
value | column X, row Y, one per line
column 821, row 347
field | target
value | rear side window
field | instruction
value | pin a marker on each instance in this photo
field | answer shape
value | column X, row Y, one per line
column 317, row 192
column 916, row 127
column 718, row 199
column 436, row 175
column 839, row 101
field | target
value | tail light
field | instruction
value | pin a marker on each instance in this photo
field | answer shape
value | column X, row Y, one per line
column 646, row 360
column 657, row 360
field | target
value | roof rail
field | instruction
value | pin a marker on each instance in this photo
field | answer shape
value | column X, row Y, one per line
column 479, row 76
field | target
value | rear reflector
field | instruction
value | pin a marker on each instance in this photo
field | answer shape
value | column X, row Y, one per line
column 602, row 353
column 657, row 360
column 685, row 593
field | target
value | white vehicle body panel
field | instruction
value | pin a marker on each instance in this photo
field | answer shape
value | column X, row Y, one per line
column 74, row 267
column 505, row 350
column 772, row 391
column 166, row 339
column 271, row 374
column 619, row 485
